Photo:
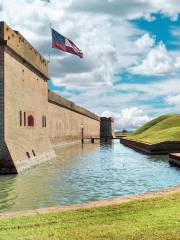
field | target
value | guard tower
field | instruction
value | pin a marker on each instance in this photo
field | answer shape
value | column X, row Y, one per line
column 107, row 127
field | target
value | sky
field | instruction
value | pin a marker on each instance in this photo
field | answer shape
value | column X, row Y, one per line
column 131, row 64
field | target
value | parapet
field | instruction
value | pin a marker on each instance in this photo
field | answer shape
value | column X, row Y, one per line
column 16, row 42
column 109, row 119
column 60, row 101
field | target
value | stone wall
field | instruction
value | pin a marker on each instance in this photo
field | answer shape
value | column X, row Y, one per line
column 26, row 94
column 158, row 148
column 62, row 102
column 30, row 124
column 174, row 159
column 5, row 157
column 65, row 125
column 17, row 43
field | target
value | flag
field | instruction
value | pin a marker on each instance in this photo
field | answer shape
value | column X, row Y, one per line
column 64, row 44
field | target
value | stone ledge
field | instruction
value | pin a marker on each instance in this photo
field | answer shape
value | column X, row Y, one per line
column 15, row 41
column 174, row 159
column 157, row 148
column 60, row 101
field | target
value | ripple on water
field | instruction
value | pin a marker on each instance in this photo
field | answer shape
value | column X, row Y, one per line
column 96, row 171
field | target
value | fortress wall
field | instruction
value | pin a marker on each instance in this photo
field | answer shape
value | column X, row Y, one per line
column 24, row 107
column 65, row 125
column 5, row 158
column 25, row 91
column 23, row 48
column 60, row 101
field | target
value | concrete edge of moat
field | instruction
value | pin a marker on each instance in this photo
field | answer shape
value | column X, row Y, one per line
column 172, row 148
column 165, row 147
column 100, row 203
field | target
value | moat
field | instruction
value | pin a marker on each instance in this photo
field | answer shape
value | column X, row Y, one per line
column 96, row 171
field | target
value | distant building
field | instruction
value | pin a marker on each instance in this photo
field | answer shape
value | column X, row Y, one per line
column 107, row 127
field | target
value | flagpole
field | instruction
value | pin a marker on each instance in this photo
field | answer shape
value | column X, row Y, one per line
column 50, row 26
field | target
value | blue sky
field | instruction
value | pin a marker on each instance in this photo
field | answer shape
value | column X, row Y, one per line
column 131, row 68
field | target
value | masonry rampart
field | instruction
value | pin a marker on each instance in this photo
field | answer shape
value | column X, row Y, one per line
column 25, row 95
column 62, row 102
column 33, row 119
column 15, row 41
column 65, row 124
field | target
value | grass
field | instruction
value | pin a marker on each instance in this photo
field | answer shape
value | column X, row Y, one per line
column 163, row 128
column 150, row 219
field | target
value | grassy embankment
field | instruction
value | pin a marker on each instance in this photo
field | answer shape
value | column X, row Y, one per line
column 163, row 128
column 150, row 219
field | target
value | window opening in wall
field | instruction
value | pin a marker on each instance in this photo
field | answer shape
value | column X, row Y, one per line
column 45, row 121
column 33, row 153
column 30, row 121
column 28, row 154
column 20, row 118
column 24, row 118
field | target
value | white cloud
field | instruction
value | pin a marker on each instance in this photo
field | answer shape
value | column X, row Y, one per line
column 108, row 114
column 144, row 42
column 111, row 45
column 169, row 8
column 132, row 118
column 108, row 42
column 157, row 62
column 177, row 63
column 128, row 9
column 150, row 90
column 173, row 100
column 129, row 118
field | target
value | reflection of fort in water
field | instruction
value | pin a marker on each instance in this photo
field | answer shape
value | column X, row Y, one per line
column 33, row 188
column 76, row 175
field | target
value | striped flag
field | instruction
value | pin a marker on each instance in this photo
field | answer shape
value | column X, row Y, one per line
column 64, row 44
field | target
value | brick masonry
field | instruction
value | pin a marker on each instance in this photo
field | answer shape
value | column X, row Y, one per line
column 24, row 93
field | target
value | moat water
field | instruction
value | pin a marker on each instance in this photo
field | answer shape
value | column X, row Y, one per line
column 96, row 171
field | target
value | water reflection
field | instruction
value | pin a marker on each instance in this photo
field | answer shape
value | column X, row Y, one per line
column 96, row 171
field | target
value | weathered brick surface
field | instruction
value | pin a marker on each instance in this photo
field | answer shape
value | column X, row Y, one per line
column 62, row 102
column 23, row 87
column 6, row 162
column 23, row 48
column 24, row 91
column 65, row 125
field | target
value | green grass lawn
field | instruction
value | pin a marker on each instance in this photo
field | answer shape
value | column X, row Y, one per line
column 163, row 128
column 155, row 218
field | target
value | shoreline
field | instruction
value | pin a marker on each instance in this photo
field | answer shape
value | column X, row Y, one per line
column 94, row 204
column 160, row 148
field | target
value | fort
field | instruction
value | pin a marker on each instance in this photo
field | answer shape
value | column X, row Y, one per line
column 33, row 118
